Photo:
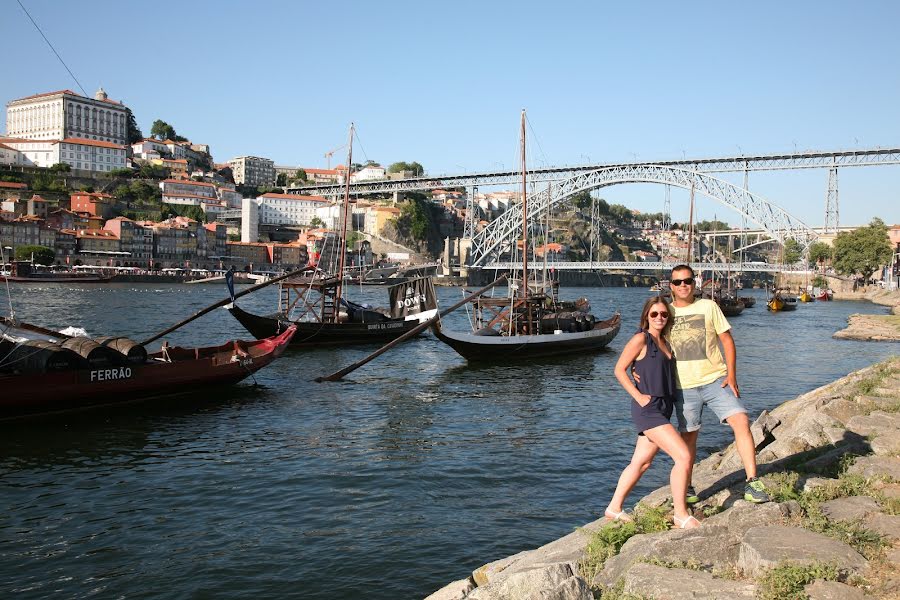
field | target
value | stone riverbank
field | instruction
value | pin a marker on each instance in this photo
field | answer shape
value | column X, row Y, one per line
column 831, row 460
column 875, row 328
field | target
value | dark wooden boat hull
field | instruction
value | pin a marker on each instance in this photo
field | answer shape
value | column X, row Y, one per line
column 62, row 279
column 316, row 334
column 523, row 347
column 189, row 369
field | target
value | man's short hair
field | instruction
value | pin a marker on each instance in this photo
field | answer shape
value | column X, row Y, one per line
column 683, row 267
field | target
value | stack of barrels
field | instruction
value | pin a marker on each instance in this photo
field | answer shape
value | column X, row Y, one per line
column 39, row 356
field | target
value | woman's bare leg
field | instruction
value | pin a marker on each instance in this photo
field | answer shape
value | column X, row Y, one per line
column 668, row 439
column 644, row 451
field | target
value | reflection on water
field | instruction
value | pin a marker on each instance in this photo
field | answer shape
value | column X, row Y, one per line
column 410, row 473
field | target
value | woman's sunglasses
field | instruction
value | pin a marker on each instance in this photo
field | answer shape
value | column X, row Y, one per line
column 688, row 281
column 662, row 313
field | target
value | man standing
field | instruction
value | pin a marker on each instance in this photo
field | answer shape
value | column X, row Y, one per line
column 704, row 378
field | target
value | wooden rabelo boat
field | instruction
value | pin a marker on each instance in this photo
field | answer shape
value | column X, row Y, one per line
column 748, row 301
column 44, row 372
column 531, row 322
column 311, row 305
column 782, row 302
column 519, row 328
column 314, row 302
column 731, row 306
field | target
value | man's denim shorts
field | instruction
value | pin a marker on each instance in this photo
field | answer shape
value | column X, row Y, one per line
column 689, row 404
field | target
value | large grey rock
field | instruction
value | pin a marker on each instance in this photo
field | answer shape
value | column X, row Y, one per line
column 808, row 484
column 568, row 549
column 843, row 410
column 876, row 466
column 886, row 525
column 886, row 445
column 762, row 429
column 890, row 490
column 652, row 581
column 744, row 515
column 764, row 547
column 708, row 546
column 453, row 591
column 833, row 590
column 852, row 444
column 573, row 588
column 876, row 423
column 523, row 584
column 848, row 509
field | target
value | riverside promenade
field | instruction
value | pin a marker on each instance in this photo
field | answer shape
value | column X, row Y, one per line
column 831, row 461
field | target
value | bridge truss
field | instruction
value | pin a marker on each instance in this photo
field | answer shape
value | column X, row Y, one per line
column 862, row 157
column 499, row 236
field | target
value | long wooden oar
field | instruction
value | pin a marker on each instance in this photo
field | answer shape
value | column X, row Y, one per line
column 211, row 307
column 414, row 331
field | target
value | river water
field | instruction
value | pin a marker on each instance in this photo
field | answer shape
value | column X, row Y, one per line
column 409, row 474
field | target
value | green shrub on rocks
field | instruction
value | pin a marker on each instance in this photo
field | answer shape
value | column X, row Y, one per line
column 787, row 580
column 609, row 539
column 783, row 487
column 617, row 592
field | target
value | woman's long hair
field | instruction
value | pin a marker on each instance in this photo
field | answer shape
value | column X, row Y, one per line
column 645, row 312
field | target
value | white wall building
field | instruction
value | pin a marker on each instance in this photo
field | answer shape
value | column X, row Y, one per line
column 368, row 173
column 65, row 114
column 79, row 154
column 148, row 149
column 9, row 155
column 290, row 210
column 253, row 170
column 249, row 221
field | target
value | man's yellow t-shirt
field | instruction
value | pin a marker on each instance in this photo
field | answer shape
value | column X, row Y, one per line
column 695, row 342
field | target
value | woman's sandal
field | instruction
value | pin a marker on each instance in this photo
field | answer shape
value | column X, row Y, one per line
column 683, row 523
column 617, row 516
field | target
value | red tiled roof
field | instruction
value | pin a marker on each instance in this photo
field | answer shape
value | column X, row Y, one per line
column 13, row 185
column 188, row 182
column 48, row 94
column 85, row 142
column 294, row 197
column 174, row 195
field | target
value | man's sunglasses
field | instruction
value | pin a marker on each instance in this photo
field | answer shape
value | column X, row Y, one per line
column 688, row 281
column 663, row 314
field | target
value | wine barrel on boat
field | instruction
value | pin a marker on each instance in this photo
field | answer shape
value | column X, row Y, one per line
column 38, row 356
column 97, row 356
column 133, row 352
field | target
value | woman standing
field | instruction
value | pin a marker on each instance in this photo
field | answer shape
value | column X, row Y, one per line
column 651, row 409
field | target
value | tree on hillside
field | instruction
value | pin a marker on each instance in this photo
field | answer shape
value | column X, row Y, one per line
column 162, row 130
column 316, row 222
column 863, row 250
column 581, row 200
column 820, row 252
column 793, row 251
column 134, row 132
column 300, row 175
column 415, row 168
column 713, row 225
column 42, row 255
column 281, row 179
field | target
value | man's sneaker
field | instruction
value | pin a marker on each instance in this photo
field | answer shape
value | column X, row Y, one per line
column 691, row 497
column 755, row 491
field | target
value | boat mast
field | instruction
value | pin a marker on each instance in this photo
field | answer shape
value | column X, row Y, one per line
column 524, row 216
column 342, row 248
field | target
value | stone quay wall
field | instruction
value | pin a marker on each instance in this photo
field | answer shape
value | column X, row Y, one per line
column 831, row 461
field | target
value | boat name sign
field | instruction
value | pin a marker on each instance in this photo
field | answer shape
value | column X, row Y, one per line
column 111, row 374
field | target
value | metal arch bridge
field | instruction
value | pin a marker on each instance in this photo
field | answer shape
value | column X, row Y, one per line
column 643, row 266
column 500, row 234
column 860, row 157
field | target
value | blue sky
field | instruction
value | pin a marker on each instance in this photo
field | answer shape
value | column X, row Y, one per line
column 443, row 84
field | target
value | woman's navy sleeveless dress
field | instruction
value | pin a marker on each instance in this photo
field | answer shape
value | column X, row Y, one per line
column 657, row 379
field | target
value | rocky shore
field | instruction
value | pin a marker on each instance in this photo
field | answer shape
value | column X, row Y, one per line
column 874, row 328
column 831, row 460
